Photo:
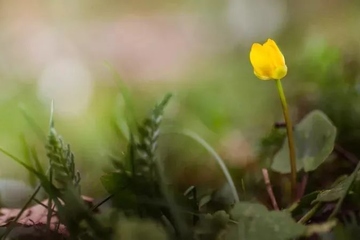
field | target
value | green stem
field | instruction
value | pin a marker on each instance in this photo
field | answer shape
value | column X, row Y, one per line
column 290, row 136
column 310, row 213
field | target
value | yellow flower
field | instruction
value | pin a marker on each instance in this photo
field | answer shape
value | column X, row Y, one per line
column 268, row 61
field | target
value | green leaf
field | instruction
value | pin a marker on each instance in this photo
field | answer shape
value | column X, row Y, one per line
column 211, row 227
column 303, row 204
column 28, row 158
column 139, row 230
column 314, row 140
column 146, row 146
column 255, row 222
column 61, row 159
column 331, row 194
column 339, row 188
column 270, row 145
column 247, row 210
column 121, row 119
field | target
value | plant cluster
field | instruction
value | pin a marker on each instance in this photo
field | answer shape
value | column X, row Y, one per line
column 143, row 203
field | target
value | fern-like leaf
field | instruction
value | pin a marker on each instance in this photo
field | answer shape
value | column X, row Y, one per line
column 61, row 160
column 146, row 144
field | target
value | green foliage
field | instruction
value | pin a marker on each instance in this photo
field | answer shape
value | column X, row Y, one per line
column 212, row 226
column 73, row 213
column 255, row 222
column 304, row 204
column 146, row 144
column 332, row 76
column 314, row 142
column 349, row 230
column 136, row 183
column 144, row 206
column 334, row 193
column 270, row 145
column 61, row 160
column 132, row 229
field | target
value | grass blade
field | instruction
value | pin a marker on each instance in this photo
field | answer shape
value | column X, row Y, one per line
column 216, row 156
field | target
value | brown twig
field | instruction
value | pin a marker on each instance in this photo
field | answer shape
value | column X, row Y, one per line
column 279, row 125
column 269, row 188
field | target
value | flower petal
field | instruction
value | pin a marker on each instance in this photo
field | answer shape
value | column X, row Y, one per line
column 262, row 77
column 274, row 52
column 261, row 61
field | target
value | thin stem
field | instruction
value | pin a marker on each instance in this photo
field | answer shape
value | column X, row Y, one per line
column 95, row 207
column 310, row 213
column 269, row 189
column 13, row 223
column 290, row 136
column 195, row 218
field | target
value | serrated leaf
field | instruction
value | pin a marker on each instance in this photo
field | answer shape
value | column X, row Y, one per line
column 314, row 139
column 255, row 222
column 61, row 159
column 145, row 146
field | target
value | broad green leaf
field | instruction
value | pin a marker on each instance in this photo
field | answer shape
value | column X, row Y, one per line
column 314, row 140
column 255, row 222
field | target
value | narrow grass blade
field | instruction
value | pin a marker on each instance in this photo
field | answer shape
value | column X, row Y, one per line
column 217, row 158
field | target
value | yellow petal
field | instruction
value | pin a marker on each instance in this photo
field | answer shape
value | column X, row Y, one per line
column 261, row 61
column 275, row 53
column 262, row 77
column 268, row 61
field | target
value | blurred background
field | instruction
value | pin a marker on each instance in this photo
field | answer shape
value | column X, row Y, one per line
column 78, row 53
